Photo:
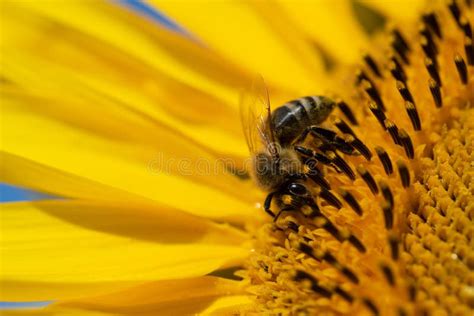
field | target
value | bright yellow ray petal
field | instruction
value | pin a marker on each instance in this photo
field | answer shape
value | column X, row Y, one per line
column 26, row 173
column 50, row 312
column 332, row 26
column 27, row 291
column 229, row 305
column 171, row 297
column 97, row 105
column 147, row 41
column 78, row 61
column 114, row 119
column 162, row 174
column 399, row 10
column 235, row 29
column 69, row 242
column 155, row 223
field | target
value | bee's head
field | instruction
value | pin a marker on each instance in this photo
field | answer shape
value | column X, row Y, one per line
column 271, row 172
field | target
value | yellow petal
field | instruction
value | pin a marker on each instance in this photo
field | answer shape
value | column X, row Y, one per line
column 51, row 312
column 78, row 61
column 229, row 305
column 26, row 173
column 158, row 47
column 332, row 26
column 81, row 243
column 97, row 105
column 162, row 174
column 401, row 10
column 27, row 291
column 172, row 297
column 236, row 30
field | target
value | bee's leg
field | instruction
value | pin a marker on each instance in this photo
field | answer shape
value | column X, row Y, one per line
column 285, row 209
column 268, row 202
column 303, row 136
column 292, row 198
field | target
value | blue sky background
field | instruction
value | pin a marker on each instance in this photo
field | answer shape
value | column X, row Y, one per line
column 9, row 193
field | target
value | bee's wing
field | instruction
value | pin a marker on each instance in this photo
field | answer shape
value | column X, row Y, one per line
column 255, row 113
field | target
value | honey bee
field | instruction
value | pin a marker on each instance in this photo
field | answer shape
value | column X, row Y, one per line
column 276, row 166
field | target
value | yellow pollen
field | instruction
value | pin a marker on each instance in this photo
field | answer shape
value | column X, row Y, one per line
column 287, row 199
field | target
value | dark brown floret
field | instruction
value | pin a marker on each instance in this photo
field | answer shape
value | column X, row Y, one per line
column 315, row 287
column 361, row 77
column 469, row 50
column 374, row 94
column 407, row 144
column 387, row 209
column 385, row 160
column 394, row 250
column 455, row 11
column 323, row 222
column 341, row 164
column 372, row 65
column 319, row 179
column 400, row 46
column 396, row 72
column 346, row 296
column 369, row 180
column 330, row 198
column 378, row 113
column 357, row 243
column 329, row 258
column 436, row 93
column 461, row 67
column 393, row 131
column 371, row 306
column 362, row 148
column 347, row 112
column 343, row 127
column 386, row 192
column 426, row 32
column 404, row 173
column 405, row 92
column 399, row 68
column 431, row 21
column 428, row 48
column 413, row 114
column 433, row 70
column 351, row 200
column 466, row 27
column 388, row 274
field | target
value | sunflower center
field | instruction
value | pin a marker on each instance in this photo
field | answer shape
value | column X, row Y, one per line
column 391, row 229
column 439, row 253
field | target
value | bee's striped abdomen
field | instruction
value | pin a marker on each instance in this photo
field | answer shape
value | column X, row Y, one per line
column 292, row 118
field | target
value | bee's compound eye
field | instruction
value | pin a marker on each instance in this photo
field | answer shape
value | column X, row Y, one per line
column 297, row 189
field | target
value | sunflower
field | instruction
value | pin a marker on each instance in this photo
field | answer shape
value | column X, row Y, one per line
column 135, row 128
